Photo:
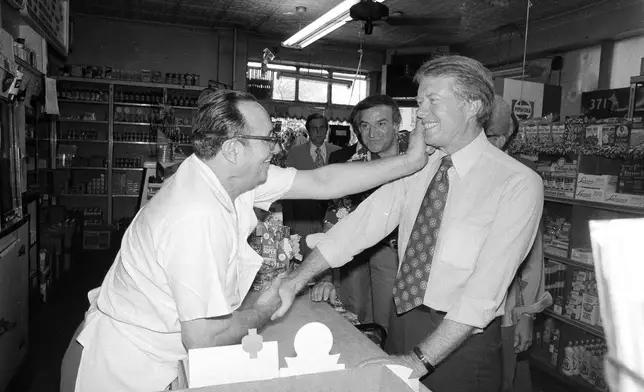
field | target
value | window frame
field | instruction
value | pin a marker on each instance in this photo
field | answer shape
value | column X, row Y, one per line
column 297, row 69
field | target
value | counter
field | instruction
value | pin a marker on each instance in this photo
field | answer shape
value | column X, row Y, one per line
column 353, row 346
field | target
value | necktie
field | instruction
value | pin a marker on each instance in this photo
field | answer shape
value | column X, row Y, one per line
column 411, row 281
column 319, row 159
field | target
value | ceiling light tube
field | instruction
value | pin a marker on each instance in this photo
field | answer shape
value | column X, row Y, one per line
column 507, row 72
column 322, row 26
column 315, row 78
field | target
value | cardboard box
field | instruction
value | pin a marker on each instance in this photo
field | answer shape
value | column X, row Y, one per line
column 590, row 194
column 367, row 379
column 582, row 255
column 624, row 199
column 604, row 182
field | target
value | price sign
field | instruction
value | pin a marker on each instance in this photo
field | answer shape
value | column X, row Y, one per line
column 610, row 103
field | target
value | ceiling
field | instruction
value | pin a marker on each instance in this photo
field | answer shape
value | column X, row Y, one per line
column 277, row 18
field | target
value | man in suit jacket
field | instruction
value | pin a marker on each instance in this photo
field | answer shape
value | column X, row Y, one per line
column 305, row 217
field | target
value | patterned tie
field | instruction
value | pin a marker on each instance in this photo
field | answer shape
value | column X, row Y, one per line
column 411, row 281
column 319, row 159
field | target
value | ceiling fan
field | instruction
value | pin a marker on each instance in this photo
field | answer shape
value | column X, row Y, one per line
column 370, row 11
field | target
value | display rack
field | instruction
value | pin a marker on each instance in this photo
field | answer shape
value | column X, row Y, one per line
column 549, row 358
column 110, row 124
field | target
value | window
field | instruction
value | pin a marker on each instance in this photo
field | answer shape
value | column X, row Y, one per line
column 313, row 90
column 342, row 94
column 305, row 84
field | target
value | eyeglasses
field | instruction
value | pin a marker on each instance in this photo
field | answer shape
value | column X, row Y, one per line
column 274, row 140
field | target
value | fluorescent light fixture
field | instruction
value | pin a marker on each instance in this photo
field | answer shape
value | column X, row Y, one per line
column 315, row 78
column 507, row 72
column 322, row 26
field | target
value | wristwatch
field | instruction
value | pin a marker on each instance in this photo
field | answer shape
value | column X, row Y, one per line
column 423, row 359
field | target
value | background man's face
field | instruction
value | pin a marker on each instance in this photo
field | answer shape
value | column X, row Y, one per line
column 317, row 131
column 377, row 129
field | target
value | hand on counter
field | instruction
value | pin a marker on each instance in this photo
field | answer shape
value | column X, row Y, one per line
column 269, row 300
column 287, row 292
column 409, row 361
column 324, row 291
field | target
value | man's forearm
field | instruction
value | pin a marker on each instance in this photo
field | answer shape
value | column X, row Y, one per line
column 354, row 177
column 444, row 340
column 313, row 265
column 241, row 321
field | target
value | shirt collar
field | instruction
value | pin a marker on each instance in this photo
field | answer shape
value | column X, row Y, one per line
column 467, row 156
column 213, row 183
column 322, row 149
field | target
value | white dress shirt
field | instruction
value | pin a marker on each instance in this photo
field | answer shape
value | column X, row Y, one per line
column 314, row 154
column 185, row 256
column 490, row 220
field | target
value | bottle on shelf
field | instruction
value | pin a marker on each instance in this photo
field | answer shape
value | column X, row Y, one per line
column 576, row 358
column 584, row 370
column 594, row 367
column 567, row 366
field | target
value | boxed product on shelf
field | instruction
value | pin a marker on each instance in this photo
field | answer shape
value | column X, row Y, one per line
column 603, row 182
column 544, row 133
column 590, row 194
column 556, row 237
column 576, row 128
column 559, row 177
column 631, row 179
column 582, row 255
column 626, row 200
column 555, row 281
column 558, row 131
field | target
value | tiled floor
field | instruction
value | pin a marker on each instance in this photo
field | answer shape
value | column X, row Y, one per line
column 54, row 324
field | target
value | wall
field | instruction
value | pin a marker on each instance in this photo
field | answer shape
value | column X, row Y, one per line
column 627, row 57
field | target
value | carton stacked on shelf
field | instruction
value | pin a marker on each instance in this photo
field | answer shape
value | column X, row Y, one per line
column 559, row 177
column 556, row 237
column 583, row 300
column 555, row 275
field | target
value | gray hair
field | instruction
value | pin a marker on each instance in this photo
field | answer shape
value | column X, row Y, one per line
column 218, row 119
column 473, row 82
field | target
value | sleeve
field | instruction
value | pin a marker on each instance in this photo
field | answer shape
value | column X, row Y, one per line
column 196, row 259
column 510, row 239
column 278, row 182
column 532, row 274
column 374, row 219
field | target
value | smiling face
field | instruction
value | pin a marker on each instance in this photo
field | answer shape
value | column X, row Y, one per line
column 377, row 130
column 256, row 154
column 447, row 121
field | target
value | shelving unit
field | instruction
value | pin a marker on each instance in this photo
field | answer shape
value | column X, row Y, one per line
column 122, row 132
column 562, row 269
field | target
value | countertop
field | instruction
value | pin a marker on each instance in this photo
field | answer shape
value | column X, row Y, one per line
column 348, row 341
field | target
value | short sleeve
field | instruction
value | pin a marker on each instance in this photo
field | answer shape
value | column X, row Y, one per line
column 278, row 182
column 196, row 259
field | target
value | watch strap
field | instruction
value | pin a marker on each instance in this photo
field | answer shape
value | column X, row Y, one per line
column 423, row 359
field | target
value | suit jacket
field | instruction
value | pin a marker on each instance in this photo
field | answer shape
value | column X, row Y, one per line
column 343, row 155
column 305, row 217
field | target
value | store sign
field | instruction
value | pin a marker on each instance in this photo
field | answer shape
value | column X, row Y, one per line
column 524, row 110
column 610, row 103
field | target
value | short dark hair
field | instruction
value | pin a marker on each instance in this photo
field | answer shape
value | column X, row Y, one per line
column 314, row 116
column 218, row 119
column 472, row 81
column 371, row 102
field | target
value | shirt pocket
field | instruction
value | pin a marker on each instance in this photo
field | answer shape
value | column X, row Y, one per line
column 462, row 244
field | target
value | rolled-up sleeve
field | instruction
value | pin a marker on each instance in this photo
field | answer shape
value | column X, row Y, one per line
column 278, row 182
column 511, row 236
column 374, row 219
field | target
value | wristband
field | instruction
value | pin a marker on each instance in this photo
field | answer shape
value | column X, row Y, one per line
column 423, row 359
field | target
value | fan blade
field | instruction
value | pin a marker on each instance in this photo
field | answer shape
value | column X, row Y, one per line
column 428, row 22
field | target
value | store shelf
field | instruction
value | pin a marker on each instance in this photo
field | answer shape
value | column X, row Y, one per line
column 73, row 120
column 83, row 168
column 121, row 142
column 81, row 141
column 125, row 196
column 185, row 126
column 141, row 105
column 637, row 79
column 594, row 204
column 572, row 263
column 27, row 66
column 129, row 83
column 184, row 107
column 79, row 195
column 142, row 124
column 127, row 168
column 82, row 101
column 583, row 326
column 575, row 382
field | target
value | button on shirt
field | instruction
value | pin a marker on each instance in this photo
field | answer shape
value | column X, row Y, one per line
column 184, row 257
column 490, row 221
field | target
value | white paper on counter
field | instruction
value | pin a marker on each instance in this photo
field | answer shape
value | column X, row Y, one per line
column 231, row 364
column 618, row 252
column 404, row 372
